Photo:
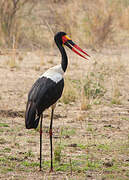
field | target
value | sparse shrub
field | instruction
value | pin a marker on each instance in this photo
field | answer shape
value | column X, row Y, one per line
column 93, row 87
column 92, row 90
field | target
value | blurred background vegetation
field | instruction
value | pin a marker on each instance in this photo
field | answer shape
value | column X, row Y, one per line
column 30, row 24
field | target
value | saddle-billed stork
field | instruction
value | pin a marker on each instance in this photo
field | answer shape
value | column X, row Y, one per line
column 48, row 89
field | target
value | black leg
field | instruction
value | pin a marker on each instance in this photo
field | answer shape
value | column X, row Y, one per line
column 50, row 132
column 41, row 142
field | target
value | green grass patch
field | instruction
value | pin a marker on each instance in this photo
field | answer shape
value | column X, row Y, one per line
column 93, row 164
column 67, row 131
column 82, row 146
column 1, row 130
column 4, row 125
column 114, row 168
column 89, row 128
column 104, row 147
column 5, row 170
column 125, row 118
column 8, row 150
column 29, row 153
column 73, row 165
column 9, row 169
column 30, row 164
column 63, row 167
column 3, row 159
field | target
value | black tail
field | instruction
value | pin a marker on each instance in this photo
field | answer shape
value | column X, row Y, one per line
column 30, row 115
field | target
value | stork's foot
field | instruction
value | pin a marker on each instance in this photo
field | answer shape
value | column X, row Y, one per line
column 51, row 170
column 40, row 170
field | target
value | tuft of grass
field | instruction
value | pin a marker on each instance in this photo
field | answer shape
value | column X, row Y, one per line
column 116, row 101
column 85, row 102
column 57, row 153
column 12, row 63
column 82, row 146
column 104, row 147
column 2, row 141
column 89, row 128
column 37, row 68
column 116, row 95
column 29, row 153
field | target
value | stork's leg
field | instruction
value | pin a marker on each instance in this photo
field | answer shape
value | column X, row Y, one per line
column 50, row 132
column 41, row 142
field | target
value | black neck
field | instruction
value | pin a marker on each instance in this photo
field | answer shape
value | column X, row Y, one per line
column 64, row 61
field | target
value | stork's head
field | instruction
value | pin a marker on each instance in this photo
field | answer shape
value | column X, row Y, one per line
column 62, row 39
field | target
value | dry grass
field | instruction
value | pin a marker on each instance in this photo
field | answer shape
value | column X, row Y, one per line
column 116, row 94
column 93, row 26
column 85, row 102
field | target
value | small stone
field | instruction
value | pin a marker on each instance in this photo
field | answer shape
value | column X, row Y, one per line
column 108, row 164
column 73, row 145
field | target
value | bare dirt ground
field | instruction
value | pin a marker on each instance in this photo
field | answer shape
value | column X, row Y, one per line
column 89, row 144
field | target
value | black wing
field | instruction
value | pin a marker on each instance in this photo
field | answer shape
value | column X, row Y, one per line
column 42, row 95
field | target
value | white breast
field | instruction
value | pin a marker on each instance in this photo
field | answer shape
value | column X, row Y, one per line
column 55, row 73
